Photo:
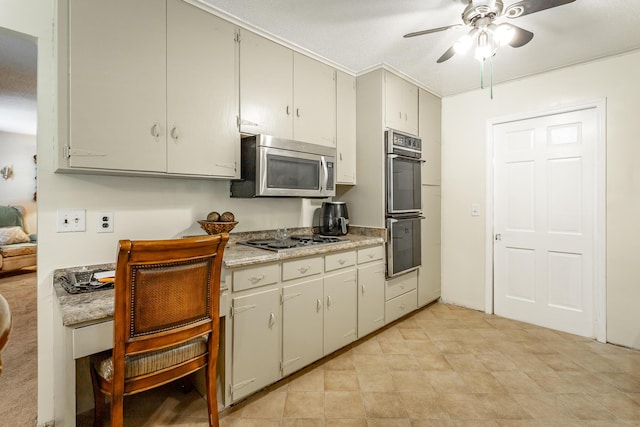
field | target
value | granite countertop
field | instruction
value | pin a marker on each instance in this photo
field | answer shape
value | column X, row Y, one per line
column 97, row 306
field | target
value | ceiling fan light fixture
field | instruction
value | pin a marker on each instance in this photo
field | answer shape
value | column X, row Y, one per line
column 462, row 45
column 484, row 49
column 504, row 34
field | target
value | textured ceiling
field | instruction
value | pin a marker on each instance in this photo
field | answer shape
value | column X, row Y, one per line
column 360, row 34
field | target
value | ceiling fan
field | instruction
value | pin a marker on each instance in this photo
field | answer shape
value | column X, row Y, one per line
column 487, row 29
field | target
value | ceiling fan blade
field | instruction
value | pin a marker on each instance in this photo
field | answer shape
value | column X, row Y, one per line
column 521, row 37
column 447, row 55
column 432, row 30
column 526, row 7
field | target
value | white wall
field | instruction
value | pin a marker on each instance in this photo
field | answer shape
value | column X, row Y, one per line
column 17, row 151
column 464, row 121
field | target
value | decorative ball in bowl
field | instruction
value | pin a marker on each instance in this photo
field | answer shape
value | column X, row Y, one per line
column 217, row 227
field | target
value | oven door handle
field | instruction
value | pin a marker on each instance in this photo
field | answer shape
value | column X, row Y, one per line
column 412, row 159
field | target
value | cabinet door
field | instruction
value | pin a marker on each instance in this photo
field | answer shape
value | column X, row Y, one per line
column 256, row 342
column 266, row 87
column 370, row 298
column 202, row 95
column 117, row 81
column 401, row 106
column 429, row 132
column 346, row 128
column 340, row 310
column 302, row 325
column 429, row 272
column 314, row 94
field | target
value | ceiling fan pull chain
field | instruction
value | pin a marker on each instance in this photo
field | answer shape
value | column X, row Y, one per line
column 491, row 75
column 481, row 74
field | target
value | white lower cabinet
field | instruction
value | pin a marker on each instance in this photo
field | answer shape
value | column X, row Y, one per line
column 256, row 342
column 340, row 310
column 302, row 324
column 370, row 298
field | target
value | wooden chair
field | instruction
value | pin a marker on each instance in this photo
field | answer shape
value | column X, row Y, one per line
column 166, row 320
column 5, row 325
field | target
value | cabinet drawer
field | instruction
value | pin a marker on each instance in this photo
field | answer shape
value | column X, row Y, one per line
column 255, row 276
column 400, row 285
column 370, row 254
column 92, row 339
column 399, row 306
column 301, row 268
column 341, row 260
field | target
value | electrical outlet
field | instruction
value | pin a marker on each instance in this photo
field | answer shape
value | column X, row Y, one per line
column 71, row 220
column 105, row 222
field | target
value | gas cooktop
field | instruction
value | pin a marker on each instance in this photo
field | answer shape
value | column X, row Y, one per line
column 293, row 242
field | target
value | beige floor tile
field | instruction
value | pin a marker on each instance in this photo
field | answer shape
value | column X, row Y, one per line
column 383, row 405
column 558, row 362
column 309, row 381
column 346, row 422
column 369, row 362
column 303, row 422
column 413, row 334
column 411, row 381
column 342, row 362
column 341, row 381
column 423, row 406
column 553, row 382
column 434, row 362
column 304, row 404
column 495, row 362
column 621, row 405
column 376, row 381
column 370, row 346
column 517, row 382
column 588, row 382
column 343, row 404
column 583, row 407
column 446, row 382
column 388, row 422
column 465, row 363
column 543, row 406
column 422, row 348
column 621, row 381
column 465, row 406
column 526, row 362
column 401, row 362
column 271, row 405
column 481, row 382
column 394, row 347
column 503, row 407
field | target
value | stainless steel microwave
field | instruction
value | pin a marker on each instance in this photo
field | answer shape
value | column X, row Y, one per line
column 277, row 167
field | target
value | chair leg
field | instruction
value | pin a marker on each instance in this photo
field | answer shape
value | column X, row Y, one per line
column 212, row 394
column 100, row 405
column 117, row 410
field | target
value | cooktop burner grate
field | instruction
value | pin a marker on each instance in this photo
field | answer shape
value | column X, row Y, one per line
column 293, row 242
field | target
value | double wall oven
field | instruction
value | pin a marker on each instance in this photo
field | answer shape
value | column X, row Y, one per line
column 404, row 202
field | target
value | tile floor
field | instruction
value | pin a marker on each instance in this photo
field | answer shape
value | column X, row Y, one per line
column 442, row 366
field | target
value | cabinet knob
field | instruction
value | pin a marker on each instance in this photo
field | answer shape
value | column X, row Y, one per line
column 174, row 134
column 155, row 130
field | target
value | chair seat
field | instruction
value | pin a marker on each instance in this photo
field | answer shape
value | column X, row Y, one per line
column 150, row 362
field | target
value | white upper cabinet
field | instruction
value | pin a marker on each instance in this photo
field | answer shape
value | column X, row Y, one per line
column 346, row 128
column 152, row 89
column 314, row 94
column 401, row 106
column 284, row 93
column 430, row 134
column 266, row 86
column 117, row 98
column 202, row 88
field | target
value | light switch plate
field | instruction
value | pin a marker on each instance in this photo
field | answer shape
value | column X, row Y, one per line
column 475, row 209
column 71, row 220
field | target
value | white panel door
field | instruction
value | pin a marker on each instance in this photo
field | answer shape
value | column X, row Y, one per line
column 302, row 324
column 544, row 217
column 202, row 93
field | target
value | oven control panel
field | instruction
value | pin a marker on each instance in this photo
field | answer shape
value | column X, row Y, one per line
column 403, row 144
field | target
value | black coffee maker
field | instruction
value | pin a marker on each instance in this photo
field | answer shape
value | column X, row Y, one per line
column 334, row 219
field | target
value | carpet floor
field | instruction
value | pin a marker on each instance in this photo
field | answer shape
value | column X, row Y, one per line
column 19, row 379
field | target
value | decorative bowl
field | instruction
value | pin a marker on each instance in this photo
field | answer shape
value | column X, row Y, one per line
column 216, row 227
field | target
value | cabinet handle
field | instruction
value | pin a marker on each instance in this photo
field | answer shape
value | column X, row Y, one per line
column 370, row 256
column 297, row 112
column 364, row 289
column 288, row 110
column 402, row 307
column 174, row 134
column 402, row 286
column 342, row 261
column 318, row 304
column 255, row 279
column 329, row 301
column 272, row 320
column 340, row 156
column 155, row 130
column 304, row 269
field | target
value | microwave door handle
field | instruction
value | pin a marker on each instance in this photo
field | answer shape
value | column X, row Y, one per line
column 325, row 171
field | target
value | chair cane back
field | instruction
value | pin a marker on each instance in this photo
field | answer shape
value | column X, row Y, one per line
column 166, row 320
